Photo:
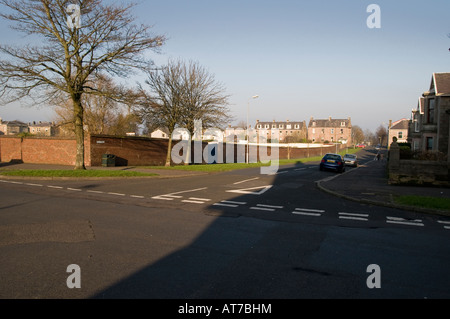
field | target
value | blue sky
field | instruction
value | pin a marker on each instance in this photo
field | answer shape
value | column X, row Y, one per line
column 303, row 58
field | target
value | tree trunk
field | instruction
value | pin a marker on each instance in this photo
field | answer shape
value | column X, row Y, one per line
column 79, row 133
column 169, row 152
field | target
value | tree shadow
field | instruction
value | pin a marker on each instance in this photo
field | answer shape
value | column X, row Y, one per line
column 247, row 252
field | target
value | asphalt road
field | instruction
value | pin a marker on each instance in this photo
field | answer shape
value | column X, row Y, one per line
column 236, row 235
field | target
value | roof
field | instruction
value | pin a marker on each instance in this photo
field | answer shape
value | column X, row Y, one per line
column 330, row 122
column 14, row 123
column 402, row 124
column 440, row 83
column 41, row 124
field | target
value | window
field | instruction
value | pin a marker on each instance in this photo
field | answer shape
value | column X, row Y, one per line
column 416, row 124
column 274, row 126
column 297, row 127
column 267, row 126
column 281, row 126
column 429, row 143
column 259, row 126
column 332, row 131
column 314, row 131
column 289, row 127
column 342, row 123
column 342, row 131
column 400, row 135
column 431, row 111
column 314, row 123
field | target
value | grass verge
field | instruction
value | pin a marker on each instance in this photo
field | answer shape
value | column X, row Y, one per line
column 424, row 202
column 73, row 173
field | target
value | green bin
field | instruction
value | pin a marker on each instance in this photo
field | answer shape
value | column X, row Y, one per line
column 109, row 160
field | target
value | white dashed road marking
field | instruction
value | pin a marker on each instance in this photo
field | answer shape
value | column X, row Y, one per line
column 308, row 212
column 445, row 223
column 402, row 221
column 247, row 180
column 359, row 217
column 227, row 203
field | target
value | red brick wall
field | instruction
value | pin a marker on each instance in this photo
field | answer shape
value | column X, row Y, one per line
column 40, row 150
column 129, row 151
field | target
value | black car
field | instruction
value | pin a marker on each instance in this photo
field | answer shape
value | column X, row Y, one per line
column 333, row 162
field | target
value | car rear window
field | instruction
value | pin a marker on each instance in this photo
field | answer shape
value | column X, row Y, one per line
column 333, row 157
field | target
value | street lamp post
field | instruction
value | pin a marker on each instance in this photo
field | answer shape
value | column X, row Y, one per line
column 247, row 160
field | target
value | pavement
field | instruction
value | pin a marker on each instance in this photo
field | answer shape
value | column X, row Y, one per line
column 368, row 184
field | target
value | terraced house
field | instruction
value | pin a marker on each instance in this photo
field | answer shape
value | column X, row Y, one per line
column 330, row 130
column 429, row 127
column 290, row 132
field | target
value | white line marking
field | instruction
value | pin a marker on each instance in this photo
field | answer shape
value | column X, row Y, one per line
column 310, row 210
column 200, row 199
column 192, row 202
column 250, row 191
column 172, row 196
column 231, row 202
column 263, row 209
column 37, row 185
column 189, row 191
column 55, row 187
column 225, row 205
column 300, row 169
column 447, row 227
column 247, row 180
column 162, row 198
column 307, row 214
column 270, row 206
column 354, row 218
column 136, row 196
column 402, row 221
column 443, row 222
column 74, row 190
column 96, row 192
column 116, row 194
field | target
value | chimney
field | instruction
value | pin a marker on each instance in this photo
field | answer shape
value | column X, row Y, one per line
column 1, row 120
column 329, row 119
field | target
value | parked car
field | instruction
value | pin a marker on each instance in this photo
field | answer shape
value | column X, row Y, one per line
column 332, row 162
column 351, row 160
column 378, row 147
column 361, row 146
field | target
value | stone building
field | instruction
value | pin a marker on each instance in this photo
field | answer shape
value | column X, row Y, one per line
column 12, row 127
column 330, row 130
column 289, row 132
column 429, row 127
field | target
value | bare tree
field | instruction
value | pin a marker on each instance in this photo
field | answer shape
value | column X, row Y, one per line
column 71, row 55
column 382, row 135
column 203, row 98
column 358, row 134
column 179, row 95
column 102, row 114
